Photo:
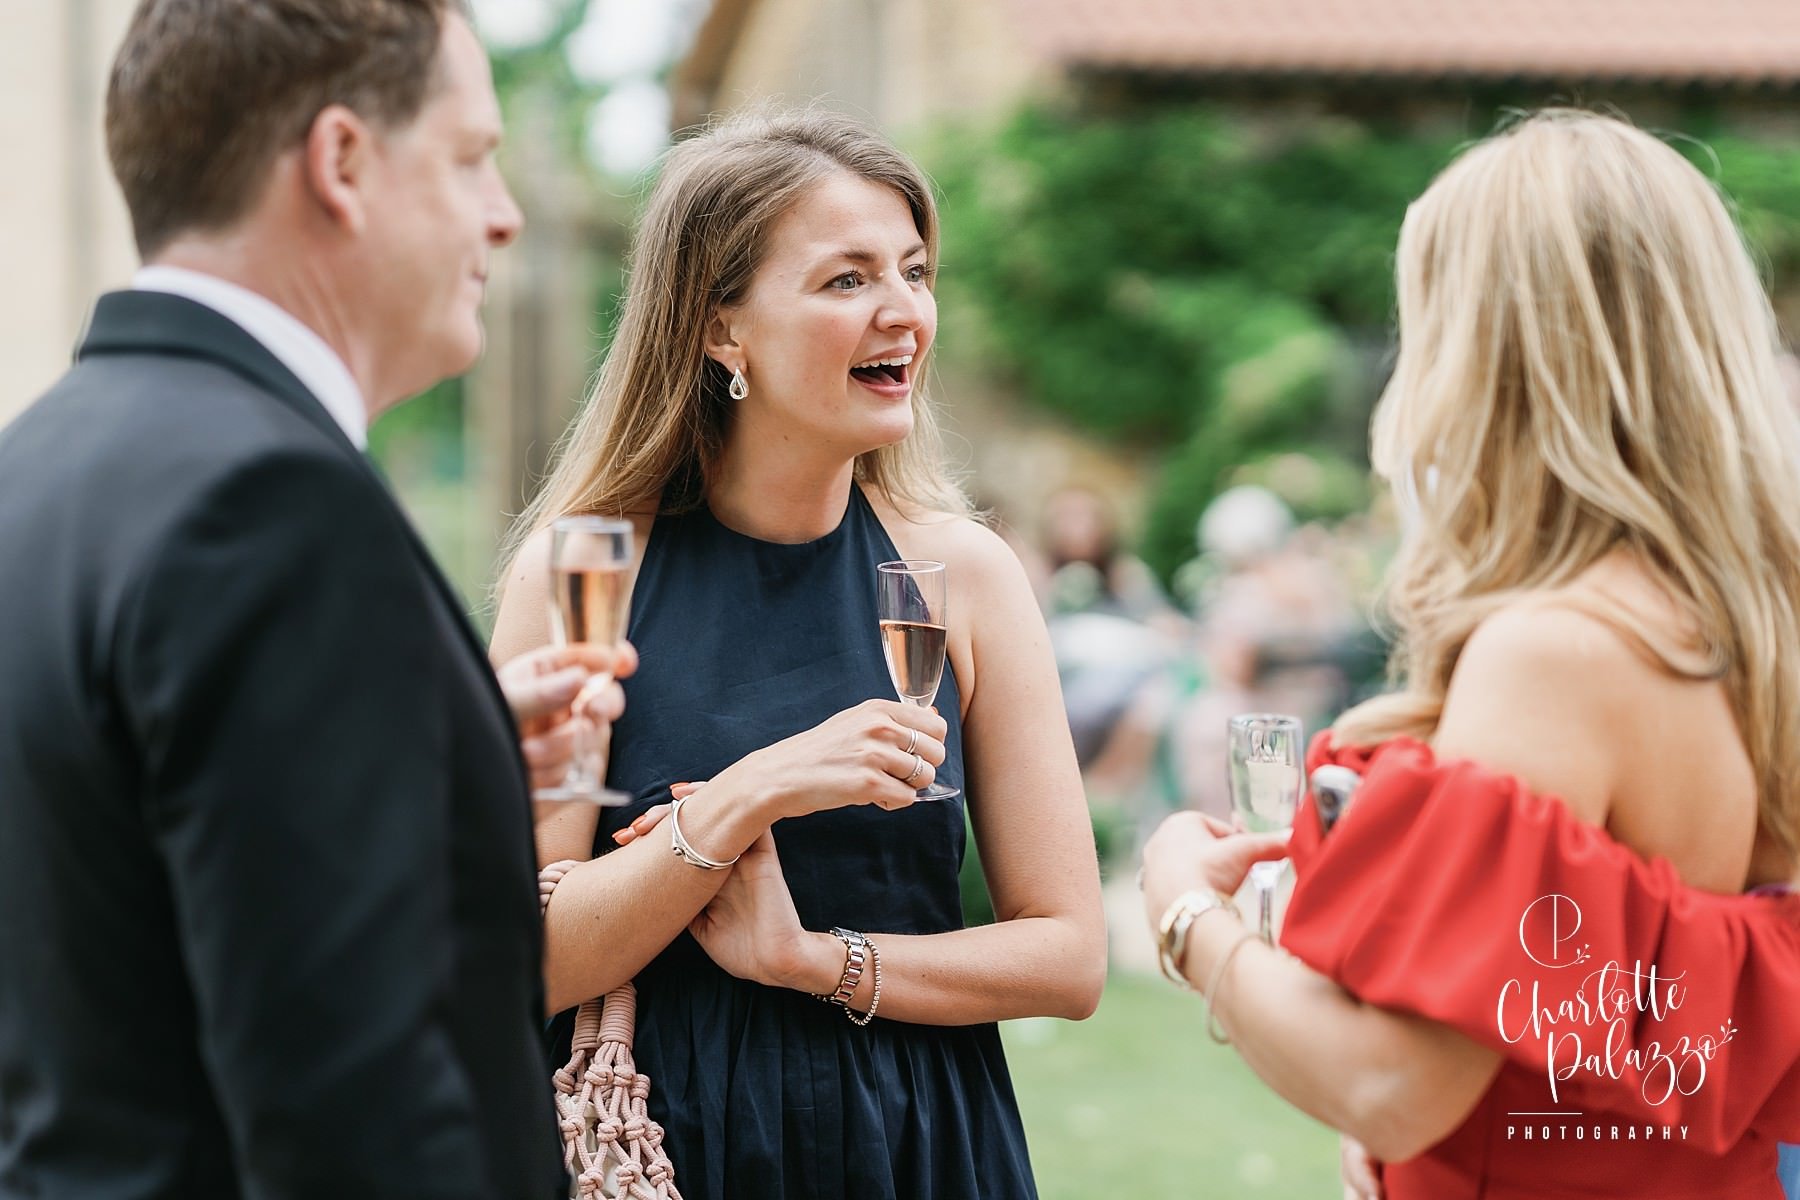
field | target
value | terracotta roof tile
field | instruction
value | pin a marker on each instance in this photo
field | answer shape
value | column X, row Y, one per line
column 1748, row 41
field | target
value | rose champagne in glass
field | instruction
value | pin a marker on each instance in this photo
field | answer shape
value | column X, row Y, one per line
column 911, row 604
column 590, row 575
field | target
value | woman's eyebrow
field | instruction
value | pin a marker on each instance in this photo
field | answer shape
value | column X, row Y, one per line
column 869, row 257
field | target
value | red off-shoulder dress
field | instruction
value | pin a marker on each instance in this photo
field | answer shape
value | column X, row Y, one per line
column 1669, row 1017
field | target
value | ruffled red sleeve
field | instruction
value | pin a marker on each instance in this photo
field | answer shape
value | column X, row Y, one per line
column 1455, row 893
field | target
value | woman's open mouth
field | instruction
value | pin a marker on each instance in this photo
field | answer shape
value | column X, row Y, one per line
column 889, row 376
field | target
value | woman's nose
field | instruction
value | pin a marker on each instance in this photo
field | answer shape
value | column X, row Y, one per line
column 902, row 306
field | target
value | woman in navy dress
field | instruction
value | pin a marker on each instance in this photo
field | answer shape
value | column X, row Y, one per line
column 762, row 420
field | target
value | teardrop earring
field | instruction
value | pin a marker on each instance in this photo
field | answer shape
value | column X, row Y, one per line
column 740, row 387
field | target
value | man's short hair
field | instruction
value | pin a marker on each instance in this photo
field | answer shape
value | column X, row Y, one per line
column 206, row 94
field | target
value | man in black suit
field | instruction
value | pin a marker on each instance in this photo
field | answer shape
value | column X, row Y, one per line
column 267, row 914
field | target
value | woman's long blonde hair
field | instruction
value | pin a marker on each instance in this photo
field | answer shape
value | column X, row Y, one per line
column 651, row 430
column 1588, row 360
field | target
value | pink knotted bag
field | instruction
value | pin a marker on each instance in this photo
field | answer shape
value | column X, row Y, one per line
column 610, row 1145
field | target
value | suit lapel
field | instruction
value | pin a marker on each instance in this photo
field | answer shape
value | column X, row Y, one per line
column 142, row 322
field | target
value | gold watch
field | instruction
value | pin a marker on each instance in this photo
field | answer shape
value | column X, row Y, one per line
column 1172, row 931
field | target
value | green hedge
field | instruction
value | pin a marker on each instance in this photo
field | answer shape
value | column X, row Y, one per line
column 1178, row 278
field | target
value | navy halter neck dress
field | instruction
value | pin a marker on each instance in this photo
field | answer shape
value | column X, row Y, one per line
column 767, row 1093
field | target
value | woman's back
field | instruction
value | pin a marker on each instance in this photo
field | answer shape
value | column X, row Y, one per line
column 1654, row 756
column 1593, row 692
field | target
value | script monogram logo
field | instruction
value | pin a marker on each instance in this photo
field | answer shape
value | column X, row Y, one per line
column 1547, row 932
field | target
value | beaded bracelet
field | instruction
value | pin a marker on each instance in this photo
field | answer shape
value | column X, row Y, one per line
column 874, row 1000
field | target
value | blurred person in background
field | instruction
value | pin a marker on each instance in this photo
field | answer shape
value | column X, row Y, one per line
column 1111, row 627
column 1117, row 640
column 1275, row 630
column 267, row 916
column 1089, row 568
column 761, row 419
column 1272, row 626
column 1597, row 600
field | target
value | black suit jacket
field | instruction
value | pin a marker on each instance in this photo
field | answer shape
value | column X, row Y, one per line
column 268, row 923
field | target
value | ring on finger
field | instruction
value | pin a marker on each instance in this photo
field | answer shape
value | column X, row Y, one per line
column 912, row 743
column 918, row 765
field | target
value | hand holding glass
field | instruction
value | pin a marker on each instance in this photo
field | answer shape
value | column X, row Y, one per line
column 590, row 567
column 911, row 604
column 1266, row 775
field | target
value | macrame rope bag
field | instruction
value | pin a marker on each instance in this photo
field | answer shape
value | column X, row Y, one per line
column 610, row 1144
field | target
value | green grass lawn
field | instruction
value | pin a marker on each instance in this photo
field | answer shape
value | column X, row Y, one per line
column 1137, row 1101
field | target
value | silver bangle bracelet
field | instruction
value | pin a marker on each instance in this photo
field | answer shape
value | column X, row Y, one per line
column 685, row 852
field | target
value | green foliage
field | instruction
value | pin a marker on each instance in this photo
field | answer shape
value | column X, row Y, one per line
column 429, row 425
column 1181, row 277
column 1174, row 278
column 1761, row 182
column 541, row 78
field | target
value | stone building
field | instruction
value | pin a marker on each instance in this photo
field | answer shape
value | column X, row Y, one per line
column 65, row 230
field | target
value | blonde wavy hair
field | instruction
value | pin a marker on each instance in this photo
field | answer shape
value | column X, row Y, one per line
column 650, row 433
column 1588, row 360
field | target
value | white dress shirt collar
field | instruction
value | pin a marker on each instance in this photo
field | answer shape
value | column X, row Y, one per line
column 314, row 363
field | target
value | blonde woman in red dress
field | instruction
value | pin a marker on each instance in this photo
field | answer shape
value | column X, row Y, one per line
column 1595, row 748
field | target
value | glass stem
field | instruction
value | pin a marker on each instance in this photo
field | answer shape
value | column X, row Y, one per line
column 1266, row 876
column 584, row 763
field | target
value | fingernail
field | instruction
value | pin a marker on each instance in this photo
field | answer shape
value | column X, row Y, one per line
column 623, row 836
column 683, row 783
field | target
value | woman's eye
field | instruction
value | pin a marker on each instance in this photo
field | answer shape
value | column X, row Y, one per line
column 846, row 281
column 918, row 273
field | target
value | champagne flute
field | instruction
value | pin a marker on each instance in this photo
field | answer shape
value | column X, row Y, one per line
column 1266, row 774
column 590, row 568
column 911, row 606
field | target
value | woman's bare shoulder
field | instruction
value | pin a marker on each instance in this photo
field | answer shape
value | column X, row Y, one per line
column 960, row 540
column 1532, row 654
column 1533, row 641
column 1540, row 691
column 1566, row 698
column 1624, row 593
column 1612, row 635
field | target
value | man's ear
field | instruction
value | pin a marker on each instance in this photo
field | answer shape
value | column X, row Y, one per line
column 722, row 345
column 338, row 155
